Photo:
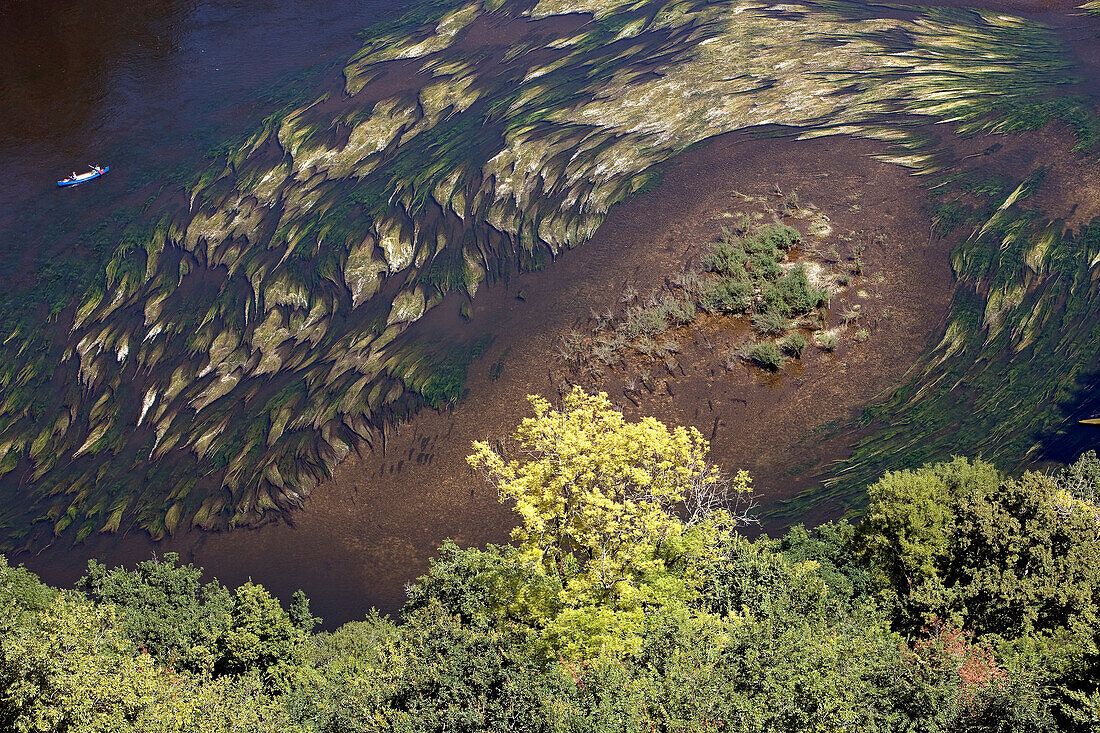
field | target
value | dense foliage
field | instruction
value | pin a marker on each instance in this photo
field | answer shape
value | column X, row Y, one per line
column 965, row 600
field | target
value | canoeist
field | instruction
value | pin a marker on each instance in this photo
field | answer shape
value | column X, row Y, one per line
column 74, row 179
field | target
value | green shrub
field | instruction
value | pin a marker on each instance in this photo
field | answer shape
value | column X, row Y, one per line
column 757, row 246
column 779, row 236
column 726, row 295
column 650, row 321
column 826, row 340
column 726, row 258
column 163, row 608
column 792, row 294
column 770, row 322
column 765, row 266
column 689, row 281
column 755, row 257
column 793, row 344
column 765, row 354
column 679, row 312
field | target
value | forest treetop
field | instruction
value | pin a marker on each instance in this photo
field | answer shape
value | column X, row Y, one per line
column 964, row 600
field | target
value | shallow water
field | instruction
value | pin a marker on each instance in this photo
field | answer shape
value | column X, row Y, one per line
column 148, row 89
column 151, row 93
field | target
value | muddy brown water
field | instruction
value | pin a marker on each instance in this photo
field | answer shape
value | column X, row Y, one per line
column 374, row 526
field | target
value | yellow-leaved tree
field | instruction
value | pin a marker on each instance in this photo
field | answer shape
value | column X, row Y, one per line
column 615, row 510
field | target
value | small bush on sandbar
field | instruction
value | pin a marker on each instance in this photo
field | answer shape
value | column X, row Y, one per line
column 765, row 266
column 792, row 294
column 650, row 321
column 679, row 312
column 793, row 344
column 726, row 258
column 770, row 322
column 653, row 320
column 826, row 340
column 779, row 236
column 765, row 355
column 726, row 295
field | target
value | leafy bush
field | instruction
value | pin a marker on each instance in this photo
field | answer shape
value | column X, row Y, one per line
column 826, row 340
column 792, row 294
column 163, row 608
column 726, row 258
column 996, row 555
column 770, row 322
column 778, row 236
column 651, row 321
column 765, row 354
column 727, row 295
column 1081, row 482
column 793, row 344
column 679, row 312
column 765, row 266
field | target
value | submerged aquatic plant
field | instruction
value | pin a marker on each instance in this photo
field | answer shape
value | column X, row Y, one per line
column 229, row 359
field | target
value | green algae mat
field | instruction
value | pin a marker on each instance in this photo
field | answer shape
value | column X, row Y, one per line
column 229, row 358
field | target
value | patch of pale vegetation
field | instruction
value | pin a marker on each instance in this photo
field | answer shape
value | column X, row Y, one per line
column 358, row 72
column 597, row 8
column 820, row 226
column 407, row 306
column 363, row 271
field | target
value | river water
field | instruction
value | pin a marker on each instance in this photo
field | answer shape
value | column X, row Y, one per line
column 147, row 88
column 151, row 91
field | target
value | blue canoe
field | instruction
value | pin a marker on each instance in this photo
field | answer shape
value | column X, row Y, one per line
column 84, row 177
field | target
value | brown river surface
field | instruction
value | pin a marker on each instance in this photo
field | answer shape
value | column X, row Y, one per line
column 158, row 87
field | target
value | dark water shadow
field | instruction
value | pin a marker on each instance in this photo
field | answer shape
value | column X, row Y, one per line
column 1072, row 439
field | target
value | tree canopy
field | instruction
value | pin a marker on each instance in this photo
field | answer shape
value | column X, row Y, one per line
column 600, row 500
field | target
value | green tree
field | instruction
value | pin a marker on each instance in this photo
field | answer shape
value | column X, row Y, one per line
column 22, row 595
column 164, row 608
column 1015, row 561
column 69, row 665
column 997, row 555
column 487, row 587
column 261, row 638
column 598, row 498
column 299, row 612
